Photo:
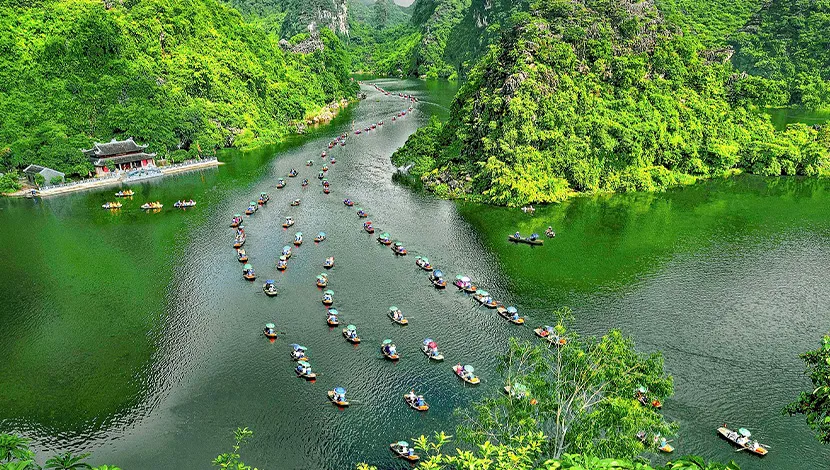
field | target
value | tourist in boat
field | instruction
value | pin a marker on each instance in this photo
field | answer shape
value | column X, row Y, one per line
column 303, row 368
column 298, row 238
column 270, row 331
column 549, row 232
column 286, row 251
column 322, row 280
column 411, row 396
column 329, row 262
column 339, row 394
column 534, row 236
column 396, row 313
column 292, row 173
column 309, row 163
column 399, row 249
column 270, row 288
column 361, row 213
column 298, row 352
column 305, row 182
column 248, row 272
column 282, row 263
column 517, row 235
column 241, row 256
column 333, row 160
column 320, row 175
column 348, row 202
column 263, row 198
column 389, row 349
column 331, row 317
column 320, row 237
column 288, row 222
column 328, row 297
column 295, row 202
column 280, row 183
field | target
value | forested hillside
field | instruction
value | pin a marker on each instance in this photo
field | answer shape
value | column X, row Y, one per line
column 601, row 95
column 788, row 41
column 179, row 75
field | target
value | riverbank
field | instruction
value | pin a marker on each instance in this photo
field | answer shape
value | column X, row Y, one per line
column 111, row 180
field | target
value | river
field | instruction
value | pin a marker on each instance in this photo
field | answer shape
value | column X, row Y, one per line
column 133, row 335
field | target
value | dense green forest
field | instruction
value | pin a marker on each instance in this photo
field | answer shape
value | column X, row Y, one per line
column 183, row 76
column 599, row 96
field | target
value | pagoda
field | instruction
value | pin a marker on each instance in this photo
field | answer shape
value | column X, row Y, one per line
column 119, row 155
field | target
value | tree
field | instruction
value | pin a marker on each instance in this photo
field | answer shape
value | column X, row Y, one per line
column 14, row 447
column 67, row 461
column 815, row 405
column 581, row 395
column 40, row 180
column 232, row 460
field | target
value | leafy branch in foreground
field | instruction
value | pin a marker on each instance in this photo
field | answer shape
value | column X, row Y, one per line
column 815, row 405
column 232, row 460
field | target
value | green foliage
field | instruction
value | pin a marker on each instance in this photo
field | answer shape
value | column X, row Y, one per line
column 8, row 182
column 68, row 461
column 815, row 405
column 525, row 453
column 788, row 42
column 584, row 97
column 713, row 22
column 232, row 460
column 582, row 395
column 174, row 74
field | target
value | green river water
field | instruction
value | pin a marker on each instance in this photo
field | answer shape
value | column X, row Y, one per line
column 133, row 336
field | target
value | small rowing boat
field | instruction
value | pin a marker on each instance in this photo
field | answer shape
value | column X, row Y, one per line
column 423, row 263
column 248, row 272
column 348, row 202
column 288, row 222
column 338, row 396
column 125, row 193
column 280, row 183
column 402, row 450
column 270, row 331
column 295, row 203
column 430, row 349
column 437, row 279
column 361, row 213
column 416, row 402
column 298, row 238
column 328, row 297
column 483, row 297
column 303, row 370
column 236, row 221
column 112, row 205
column 184, row 204
column 549, row 334
column 298, row 352
column 399, row 249
column 152, row 205
column 331, row 317
column 329, row 262
column 515, row 238
column 367, row 226
column 350, row 333
column 397, row 316
column 270, row 288
column 389, row 350
column 510, row 314
column 322, row 280
column 464, row 283
column 239, row 241
column 384, row 239
column 320, row 237
column 241, row 256
column 466, row 374
column 740, row 438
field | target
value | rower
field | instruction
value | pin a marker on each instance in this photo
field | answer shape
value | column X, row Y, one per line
column 517, row 235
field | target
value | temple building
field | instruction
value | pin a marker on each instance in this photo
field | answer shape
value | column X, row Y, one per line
column 119, row 155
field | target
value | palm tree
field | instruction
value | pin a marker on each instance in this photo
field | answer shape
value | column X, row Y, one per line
column 67, row 461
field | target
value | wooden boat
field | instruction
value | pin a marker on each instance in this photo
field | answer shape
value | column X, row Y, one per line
column 239, row 241
column 280, row 184
column 732, row 436
column 249, row 210
column 282, row 263
column 320, row 237
column 668, row 448
column 414, row 403
column 236, row 221
column 354, row 340
column 507, row 314
column 241, row 256
column 184, row 204
column 270, row 331
column 292, row 174
column 325, row 168
column 329, row 263
column 248, row 272
column 642, row 396
column 554, row 339
column 152, row 205
column 437, row 279
column 333, row 161
column 295, row 202
column 401, row 450
column 362, row 214
column 332, row 321
column 326, row 190
column 386, row 354
column 437, row 357
column 306, row 375
column 423, row 263
column 125, row 193
column 269, row 288
column 309, row 163
column 515, row 239
column 398, row 249
column 328, row 297
column 331, row 396
column 348, row 202
column 322, row 281
column 384, row 239
column 286, row 251
column 288, row 222
column 391, row 315
column 298, row 239
column 461, row 372
column 304, row 183
column 112, row 205
column 368, row 228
